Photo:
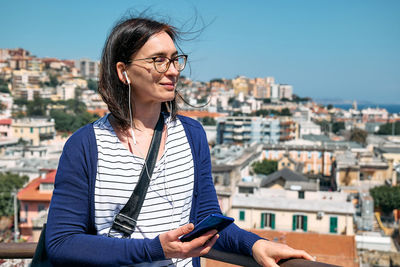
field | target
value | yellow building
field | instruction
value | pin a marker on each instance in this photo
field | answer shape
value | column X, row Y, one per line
column 34, row 130
column 241, row 85
column 286, row 210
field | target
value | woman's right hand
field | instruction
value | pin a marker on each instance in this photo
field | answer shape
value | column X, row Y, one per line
column 174, row 248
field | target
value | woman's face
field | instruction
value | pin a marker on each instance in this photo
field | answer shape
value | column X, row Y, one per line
column 148, row 85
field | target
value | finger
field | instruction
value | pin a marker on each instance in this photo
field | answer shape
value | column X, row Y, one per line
column 201, row 240
column 208, row 245
column 183, row 230
column 200, row 251
column 269, row 262
column 302, row 254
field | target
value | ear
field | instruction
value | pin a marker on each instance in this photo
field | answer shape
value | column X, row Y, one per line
column 121, row 67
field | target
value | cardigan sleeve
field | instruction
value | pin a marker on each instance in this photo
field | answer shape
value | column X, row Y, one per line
column 232, row 238
column 70, row 236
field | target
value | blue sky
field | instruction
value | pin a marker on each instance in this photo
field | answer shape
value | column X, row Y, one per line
column 346, row 49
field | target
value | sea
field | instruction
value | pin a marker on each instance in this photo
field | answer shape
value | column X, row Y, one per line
column 391, row 108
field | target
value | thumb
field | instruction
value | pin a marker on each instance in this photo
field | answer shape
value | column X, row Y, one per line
column 183, row 230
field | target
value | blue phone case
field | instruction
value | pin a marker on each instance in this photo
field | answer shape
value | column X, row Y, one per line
column 212, row 221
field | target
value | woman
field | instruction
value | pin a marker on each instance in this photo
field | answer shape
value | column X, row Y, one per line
column 101, row 163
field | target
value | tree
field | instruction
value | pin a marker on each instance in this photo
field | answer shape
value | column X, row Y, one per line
column 285, row 112
column 209, row 121
column 389, row 128
column 330, row 106
column 92, row 85
column 4, row 86
column 324, row 124
column 337, row 126
column 265, row 166
column 9, row 183
column 37, row 107
column 385, row 197
column 53, row 81
column 359, row 136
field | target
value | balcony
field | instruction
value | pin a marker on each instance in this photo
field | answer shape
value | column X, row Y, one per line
column 27, row 250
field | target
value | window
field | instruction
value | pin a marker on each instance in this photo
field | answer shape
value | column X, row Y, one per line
column 41, row 207
column 241, row 215
column 31, row 129
column 299, row 222
column 301, row 194
column 333, row 225
column 267, row 220
column 309, row 154
column 26, row 208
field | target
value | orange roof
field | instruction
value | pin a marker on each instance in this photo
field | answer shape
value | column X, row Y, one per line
column 332, row 249
column 5, row 121
column 31, row 191
column 199, row 113
column 99, row 111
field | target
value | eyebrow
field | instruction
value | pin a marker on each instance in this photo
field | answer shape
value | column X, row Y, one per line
column 163, row 54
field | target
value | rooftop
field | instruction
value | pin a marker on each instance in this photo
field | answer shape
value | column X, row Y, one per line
column 274, row 199
column 31, row 191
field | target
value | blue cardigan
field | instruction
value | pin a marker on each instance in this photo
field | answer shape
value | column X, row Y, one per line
column 71, row 236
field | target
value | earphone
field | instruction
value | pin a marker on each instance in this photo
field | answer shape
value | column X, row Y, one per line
column 126, row 77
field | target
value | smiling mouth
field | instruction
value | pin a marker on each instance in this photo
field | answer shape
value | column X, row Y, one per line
column 168, row 85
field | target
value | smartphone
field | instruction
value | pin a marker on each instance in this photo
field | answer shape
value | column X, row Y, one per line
column 212, row 221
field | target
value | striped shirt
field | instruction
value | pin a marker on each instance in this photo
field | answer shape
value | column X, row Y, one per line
column 169, row 197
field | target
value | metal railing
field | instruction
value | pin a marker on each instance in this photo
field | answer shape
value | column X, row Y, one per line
column 27, row 250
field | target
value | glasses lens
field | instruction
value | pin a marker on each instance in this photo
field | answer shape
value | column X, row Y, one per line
column 180, row 62
column 161, row 64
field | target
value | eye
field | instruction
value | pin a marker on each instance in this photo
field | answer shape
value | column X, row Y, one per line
column 160, row 59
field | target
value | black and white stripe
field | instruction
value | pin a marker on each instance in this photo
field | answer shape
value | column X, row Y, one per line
column 169, row 197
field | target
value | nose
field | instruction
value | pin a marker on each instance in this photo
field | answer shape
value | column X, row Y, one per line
column 172, row 71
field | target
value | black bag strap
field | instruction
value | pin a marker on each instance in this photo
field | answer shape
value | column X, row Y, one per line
column 125, row 221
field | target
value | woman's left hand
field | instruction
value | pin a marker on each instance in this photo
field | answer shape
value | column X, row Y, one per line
column 268, row 253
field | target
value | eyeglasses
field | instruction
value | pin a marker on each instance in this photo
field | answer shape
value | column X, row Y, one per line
column 161, row 64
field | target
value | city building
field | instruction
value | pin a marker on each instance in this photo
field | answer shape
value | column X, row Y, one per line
column 66, row 91
column 89, row 69
column 355, row 168
column 246, row 129
column 34, row 130
column 5, row 128
column 314, row 159
column 241, row 85
column 229, row 165
column 285, row 91
column 289, row 129
column 34, row 198
column 294, row 210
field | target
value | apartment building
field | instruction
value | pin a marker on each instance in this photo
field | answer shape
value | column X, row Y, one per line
column 34, row 130
column 241, row 85
column 355, row 168
column 285, row 91
column 5, row 128
column 66, row 91
column 287, row 210
column 26, row 78
column 35, row 199
column 247, row 129
column 89, row 69
column 289, row 129
column 314, row 159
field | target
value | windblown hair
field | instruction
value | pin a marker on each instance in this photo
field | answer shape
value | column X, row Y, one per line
column 125, row 39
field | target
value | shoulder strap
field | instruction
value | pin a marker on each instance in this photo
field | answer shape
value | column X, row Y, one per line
column 125, row 221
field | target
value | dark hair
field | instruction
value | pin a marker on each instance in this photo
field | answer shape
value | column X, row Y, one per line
column 125, row 39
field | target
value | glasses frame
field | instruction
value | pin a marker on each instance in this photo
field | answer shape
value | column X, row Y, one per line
column 168, row 63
